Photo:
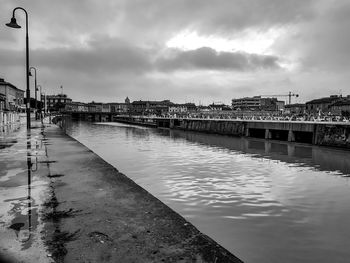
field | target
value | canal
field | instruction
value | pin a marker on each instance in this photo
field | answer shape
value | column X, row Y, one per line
column 265, row 201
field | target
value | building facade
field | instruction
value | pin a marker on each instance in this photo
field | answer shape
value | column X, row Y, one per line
column 121, row 108
column 257, row 103
column 341, row 107
column 76, row 107
column 150, row 107
column 182, row 108
column 11, row 98
column 57, row 102
column 297, row 108
column 95, row 106
column 321, row 105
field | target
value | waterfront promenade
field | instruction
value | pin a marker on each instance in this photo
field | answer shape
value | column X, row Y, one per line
column 60, row 202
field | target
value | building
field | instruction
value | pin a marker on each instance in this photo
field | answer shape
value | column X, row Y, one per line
column 322, row 105
column 91, row 107
column 341, row 107
column 203, row 109
column 95, row 106
column 252, row 103
column 297, row 108
column 106, row 107
column 280, row 105
column 182, row 108
column 76, row 107
column 219, row 107
column 150, row 107
column 2, row 101
column 11, row 98
column 119, row 107
column 257, row 103
column 57, row 102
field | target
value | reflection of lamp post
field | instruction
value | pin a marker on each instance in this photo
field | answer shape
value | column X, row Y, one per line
column 41, row 103
column 14, row 24
column 29, row 170
column 45, row 105
column 35, row 90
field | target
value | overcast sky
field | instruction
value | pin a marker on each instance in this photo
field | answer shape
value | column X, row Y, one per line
column 199, row 51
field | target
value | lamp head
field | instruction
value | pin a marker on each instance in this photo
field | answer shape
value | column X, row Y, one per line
column 13, row 23
column 30, row 73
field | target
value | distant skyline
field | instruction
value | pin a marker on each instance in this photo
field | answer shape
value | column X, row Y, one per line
column 185, row 51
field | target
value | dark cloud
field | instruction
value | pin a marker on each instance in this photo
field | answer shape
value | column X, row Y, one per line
column 98, row 49
column 105, row 55
column 207, row 58
column 220, row 17
column 150, row 21
column 329, row 41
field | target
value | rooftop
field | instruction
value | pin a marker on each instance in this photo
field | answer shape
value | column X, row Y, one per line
column 330, row 99
column 5, row 83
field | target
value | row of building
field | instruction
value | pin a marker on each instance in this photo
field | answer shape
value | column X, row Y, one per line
column 12, row 99
column 134, row 108
column 336, row 105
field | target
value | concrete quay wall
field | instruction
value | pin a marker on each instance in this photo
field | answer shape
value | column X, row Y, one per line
column 333, row 135
column 211, row 126
column 318, row 133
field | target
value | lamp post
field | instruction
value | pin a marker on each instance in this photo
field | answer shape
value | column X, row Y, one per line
column 35, row 90
column 13, row 24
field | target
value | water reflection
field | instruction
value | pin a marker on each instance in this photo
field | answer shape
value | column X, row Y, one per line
column 320, row 158
column 263, row 200
column 21, row 224
column 24, row 210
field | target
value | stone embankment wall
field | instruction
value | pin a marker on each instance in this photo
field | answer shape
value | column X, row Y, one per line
column 333, row 135
column 213, row 126
column 325, row 134
column 8, row 118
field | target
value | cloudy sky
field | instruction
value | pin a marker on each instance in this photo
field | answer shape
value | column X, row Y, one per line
column 198, row 51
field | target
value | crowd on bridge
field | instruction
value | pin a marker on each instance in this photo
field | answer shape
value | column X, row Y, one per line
column 266, row 117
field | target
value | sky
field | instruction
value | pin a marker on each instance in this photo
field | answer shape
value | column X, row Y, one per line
column 199, row 51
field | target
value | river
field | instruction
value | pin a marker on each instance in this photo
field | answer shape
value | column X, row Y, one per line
column 264, row 201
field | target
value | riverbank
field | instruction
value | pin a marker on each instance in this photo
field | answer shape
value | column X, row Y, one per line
column 86, row 211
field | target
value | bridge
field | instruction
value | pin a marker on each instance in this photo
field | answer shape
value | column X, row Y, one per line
column 314, row 132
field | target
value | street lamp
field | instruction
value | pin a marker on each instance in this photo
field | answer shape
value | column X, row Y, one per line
column 14, row 24
column 35, row 90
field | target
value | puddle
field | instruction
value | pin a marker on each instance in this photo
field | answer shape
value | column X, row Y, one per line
column 6, row 143
column 24, row 213
column 55, row 175
column 11, row 173
column 99, row 237
column 47, row 161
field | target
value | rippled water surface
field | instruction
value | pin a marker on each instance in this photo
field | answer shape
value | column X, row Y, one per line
column 263, row 201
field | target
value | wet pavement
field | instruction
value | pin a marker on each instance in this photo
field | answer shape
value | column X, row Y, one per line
column 23, row 189
column 60, row 202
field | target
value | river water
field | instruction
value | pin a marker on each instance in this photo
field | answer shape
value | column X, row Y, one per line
column 264, row 201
